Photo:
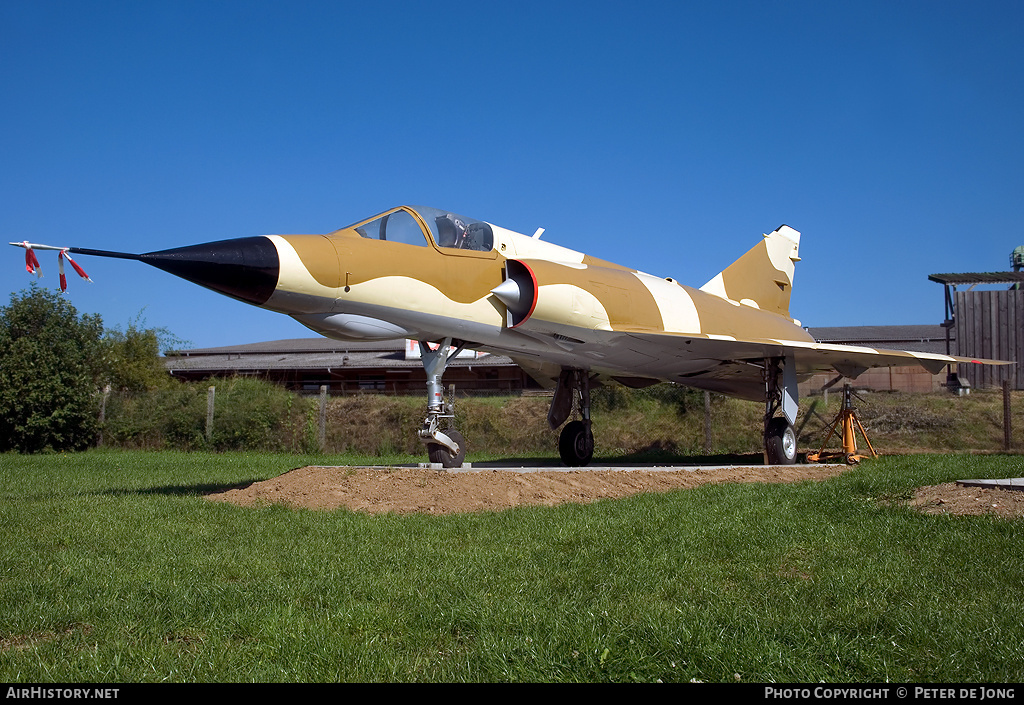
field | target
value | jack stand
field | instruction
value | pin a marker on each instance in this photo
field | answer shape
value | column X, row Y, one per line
column 847, row 417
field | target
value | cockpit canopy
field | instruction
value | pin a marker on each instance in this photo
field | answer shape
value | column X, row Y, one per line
column 447, row 229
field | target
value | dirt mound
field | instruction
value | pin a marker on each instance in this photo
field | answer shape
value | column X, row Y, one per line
column 951, row 498
column 405, row 490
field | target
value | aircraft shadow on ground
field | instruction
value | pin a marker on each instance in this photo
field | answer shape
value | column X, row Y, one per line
column 197, row 490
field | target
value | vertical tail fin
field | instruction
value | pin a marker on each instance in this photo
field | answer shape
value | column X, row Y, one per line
column 763, row 277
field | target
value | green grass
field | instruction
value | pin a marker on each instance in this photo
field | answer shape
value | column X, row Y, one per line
column 114, row 568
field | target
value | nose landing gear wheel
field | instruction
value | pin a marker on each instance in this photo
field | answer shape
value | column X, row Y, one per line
column 576, row 444
column 440, row 454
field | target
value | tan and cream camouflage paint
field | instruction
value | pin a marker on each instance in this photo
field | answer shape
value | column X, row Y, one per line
column 587, row 313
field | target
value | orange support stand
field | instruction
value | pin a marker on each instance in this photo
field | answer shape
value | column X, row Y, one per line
column 846, row 419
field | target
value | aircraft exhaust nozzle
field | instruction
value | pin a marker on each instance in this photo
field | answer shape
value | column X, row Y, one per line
column 245, row 268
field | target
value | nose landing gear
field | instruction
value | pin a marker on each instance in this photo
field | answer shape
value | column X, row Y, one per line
column 445, row 445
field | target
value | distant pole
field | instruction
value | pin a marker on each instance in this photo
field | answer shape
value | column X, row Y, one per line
column 707, row 423
column 1006, row 414
column 322, row 430
column 103, row 412
column 209, row 413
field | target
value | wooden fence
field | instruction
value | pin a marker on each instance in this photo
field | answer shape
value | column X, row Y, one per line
column 988, row 325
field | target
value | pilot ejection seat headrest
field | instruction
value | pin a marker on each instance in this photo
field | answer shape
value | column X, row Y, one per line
column 447, row 231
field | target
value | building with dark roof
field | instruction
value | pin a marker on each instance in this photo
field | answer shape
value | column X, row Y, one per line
column 912, row 378
column 917, row 338
column 305, row 364
column 394, row 367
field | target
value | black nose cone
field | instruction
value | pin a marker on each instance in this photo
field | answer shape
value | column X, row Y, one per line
column 246, row 269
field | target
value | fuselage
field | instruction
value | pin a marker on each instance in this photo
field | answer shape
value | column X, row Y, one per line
column 421, row 273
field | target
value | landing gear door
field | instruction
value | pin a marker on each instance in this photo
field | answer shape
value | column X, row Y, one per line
column 790, row 393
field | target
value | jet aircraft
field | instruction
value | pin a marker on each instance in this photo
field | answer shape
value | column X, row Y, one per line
column 570, row 320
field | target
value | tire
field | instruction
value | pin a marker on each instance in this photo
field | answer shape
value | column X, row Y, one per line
column 441, row 455
column 576, row 444
column 780, row 442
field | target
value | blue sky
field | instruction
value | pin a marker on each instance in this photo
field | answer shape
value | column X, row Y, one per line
column 663, row 136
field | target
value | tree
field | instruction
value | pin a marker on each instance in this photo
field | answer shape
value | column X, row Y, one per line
column 131, row 358
column 49, row 373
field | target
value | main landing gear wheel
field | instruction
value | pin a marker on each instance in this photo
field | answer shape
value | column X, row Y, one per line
column 780, row 393
column 576, row 444
column 576, row 441
column 780, row 442
column 440, row 454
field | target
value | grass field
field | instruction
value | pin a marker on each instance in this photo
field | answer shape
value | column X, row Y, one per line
column 114, row 568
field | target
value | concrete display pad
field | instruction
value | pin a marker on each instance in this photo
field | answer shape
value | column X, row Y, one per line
column 1010, row 483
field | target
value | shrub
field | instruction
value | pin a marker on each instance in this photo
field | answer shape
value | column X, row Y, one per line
column 249, row 414
column 48, row 373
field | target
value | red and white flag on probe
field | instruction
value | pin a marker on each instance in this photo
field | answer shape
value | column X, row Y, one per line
column 60, row 262
column 32, row 263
